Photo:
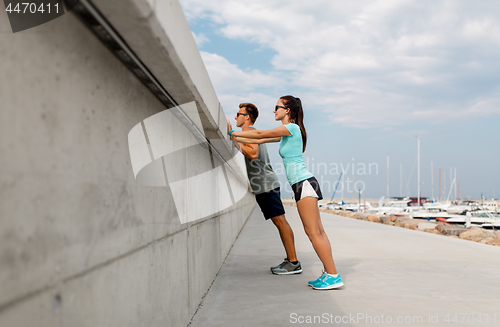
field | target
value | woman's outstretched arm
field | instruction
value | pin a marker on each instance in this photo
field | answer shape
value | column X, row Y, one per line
column 257, row 134
column 254, row 141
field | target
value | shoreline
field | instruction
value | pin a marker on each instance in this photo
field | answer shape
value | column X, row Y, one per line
column 473, row 233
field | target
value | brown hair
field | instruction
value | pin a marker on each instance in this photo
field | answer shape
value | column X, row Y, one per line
column 252, row 111
column 296, row 115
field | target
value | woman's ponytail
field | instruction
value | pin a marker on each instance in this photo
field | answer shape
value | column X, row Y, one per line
column 296, row 115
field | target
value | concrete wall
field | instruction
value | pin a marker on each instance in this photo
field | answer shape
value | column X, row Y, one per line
column 83, row 243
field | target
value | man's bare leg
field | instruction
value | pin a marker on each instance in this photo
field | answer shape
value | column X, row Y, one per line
column 286, row 235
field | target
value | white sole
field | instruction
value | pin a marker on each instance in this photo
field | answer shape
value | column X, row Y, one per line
column 288, row 273
column 331, row 287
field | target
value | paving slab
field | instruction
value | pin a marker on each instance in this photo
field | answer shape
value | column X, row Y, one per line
column 393, row 277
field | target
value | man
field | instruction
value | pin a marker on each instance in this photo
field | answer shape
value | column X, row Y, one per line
column 265, row 186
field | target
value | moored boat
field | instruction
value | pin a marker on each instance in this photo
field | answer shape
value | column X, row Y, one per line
column 477, row 219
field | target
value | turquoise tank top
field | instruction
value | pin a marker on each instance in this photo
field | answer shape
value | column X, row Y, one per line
column 291, row 153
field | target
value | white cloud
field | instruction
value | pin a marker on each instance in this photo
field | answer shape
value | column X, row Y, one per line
column 234, row 86
column 200, row 39
column 228, row 78
column 369, row 63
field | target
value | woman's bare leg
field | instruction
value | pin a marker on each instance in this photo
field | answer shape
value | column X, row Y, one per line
column 309, row 214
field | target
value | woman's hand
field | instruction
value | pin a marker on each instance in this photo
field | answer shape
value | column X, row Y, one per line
column 229, row 127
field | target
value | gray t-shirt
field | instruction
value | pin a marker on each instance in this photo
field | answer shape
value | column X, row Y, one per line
column 260, row 172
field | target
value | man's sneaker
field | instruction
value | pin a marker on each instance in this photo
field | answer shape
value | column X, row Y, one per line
column 329, row 282
column 320, row 279
column 281, row 264
column 286, row 268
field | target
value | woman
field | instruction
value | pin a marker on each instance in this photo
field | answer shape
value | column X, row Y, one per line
column 292, row 137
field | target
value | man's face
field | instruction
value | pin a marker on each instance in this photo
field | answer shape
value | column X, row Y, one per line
column 241, row 117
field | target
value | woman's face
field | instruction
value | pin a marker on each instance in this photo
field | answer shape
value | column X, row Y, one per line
column 279, row 112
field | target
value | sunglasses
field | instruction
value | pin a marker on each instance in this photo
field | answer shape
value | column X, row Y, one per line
column 240, row 113
column 277, row 107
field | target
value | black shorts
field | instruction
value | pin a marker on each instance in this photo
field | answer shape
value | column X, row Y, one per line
column 270, row 203
column 305, row 188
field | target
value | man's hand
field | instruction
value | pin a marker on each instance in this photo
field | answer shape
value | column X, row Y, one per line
column 229, row 127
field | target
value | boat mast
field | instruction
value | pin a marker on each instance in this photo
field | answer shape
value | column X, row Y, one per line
column 401, row 180
column 418, row 173
column 353, row 183
column 456, row 185
column 387, row 176
column 336, row 186
column 432, row 180
column 450, row 192
column 439, row 184
column 444, row 184
column 343, row 185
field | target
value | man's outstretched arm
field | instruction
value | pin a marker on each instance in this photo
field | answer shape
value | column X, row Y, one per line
column 251, row 151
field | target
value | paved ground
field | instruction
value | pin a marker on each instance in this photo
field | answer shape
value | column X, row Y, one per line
column 393, row 277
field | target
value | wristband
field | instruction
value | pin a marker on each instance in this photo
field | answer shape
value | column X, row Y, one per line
column 231, row 132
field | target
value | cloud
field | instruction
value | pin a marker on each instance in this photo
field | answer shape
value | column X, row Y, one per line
column 228, row 78
column 365, row 63
column 234, row 86
column 200, row 39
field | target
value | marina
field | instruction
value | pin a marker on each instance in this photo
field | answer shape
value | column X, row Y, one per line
column 477, row 213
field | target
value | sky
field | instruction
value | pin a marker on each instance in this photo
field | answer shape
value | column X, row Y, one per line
column 374, row 77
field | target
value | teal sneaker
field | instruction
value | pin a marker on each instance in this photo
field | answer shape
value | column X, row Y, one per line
column 329, row 282
column 320, row 279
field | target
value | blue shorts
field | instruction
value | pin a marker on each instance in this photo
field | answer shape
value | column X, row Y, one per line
column 270, row 203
